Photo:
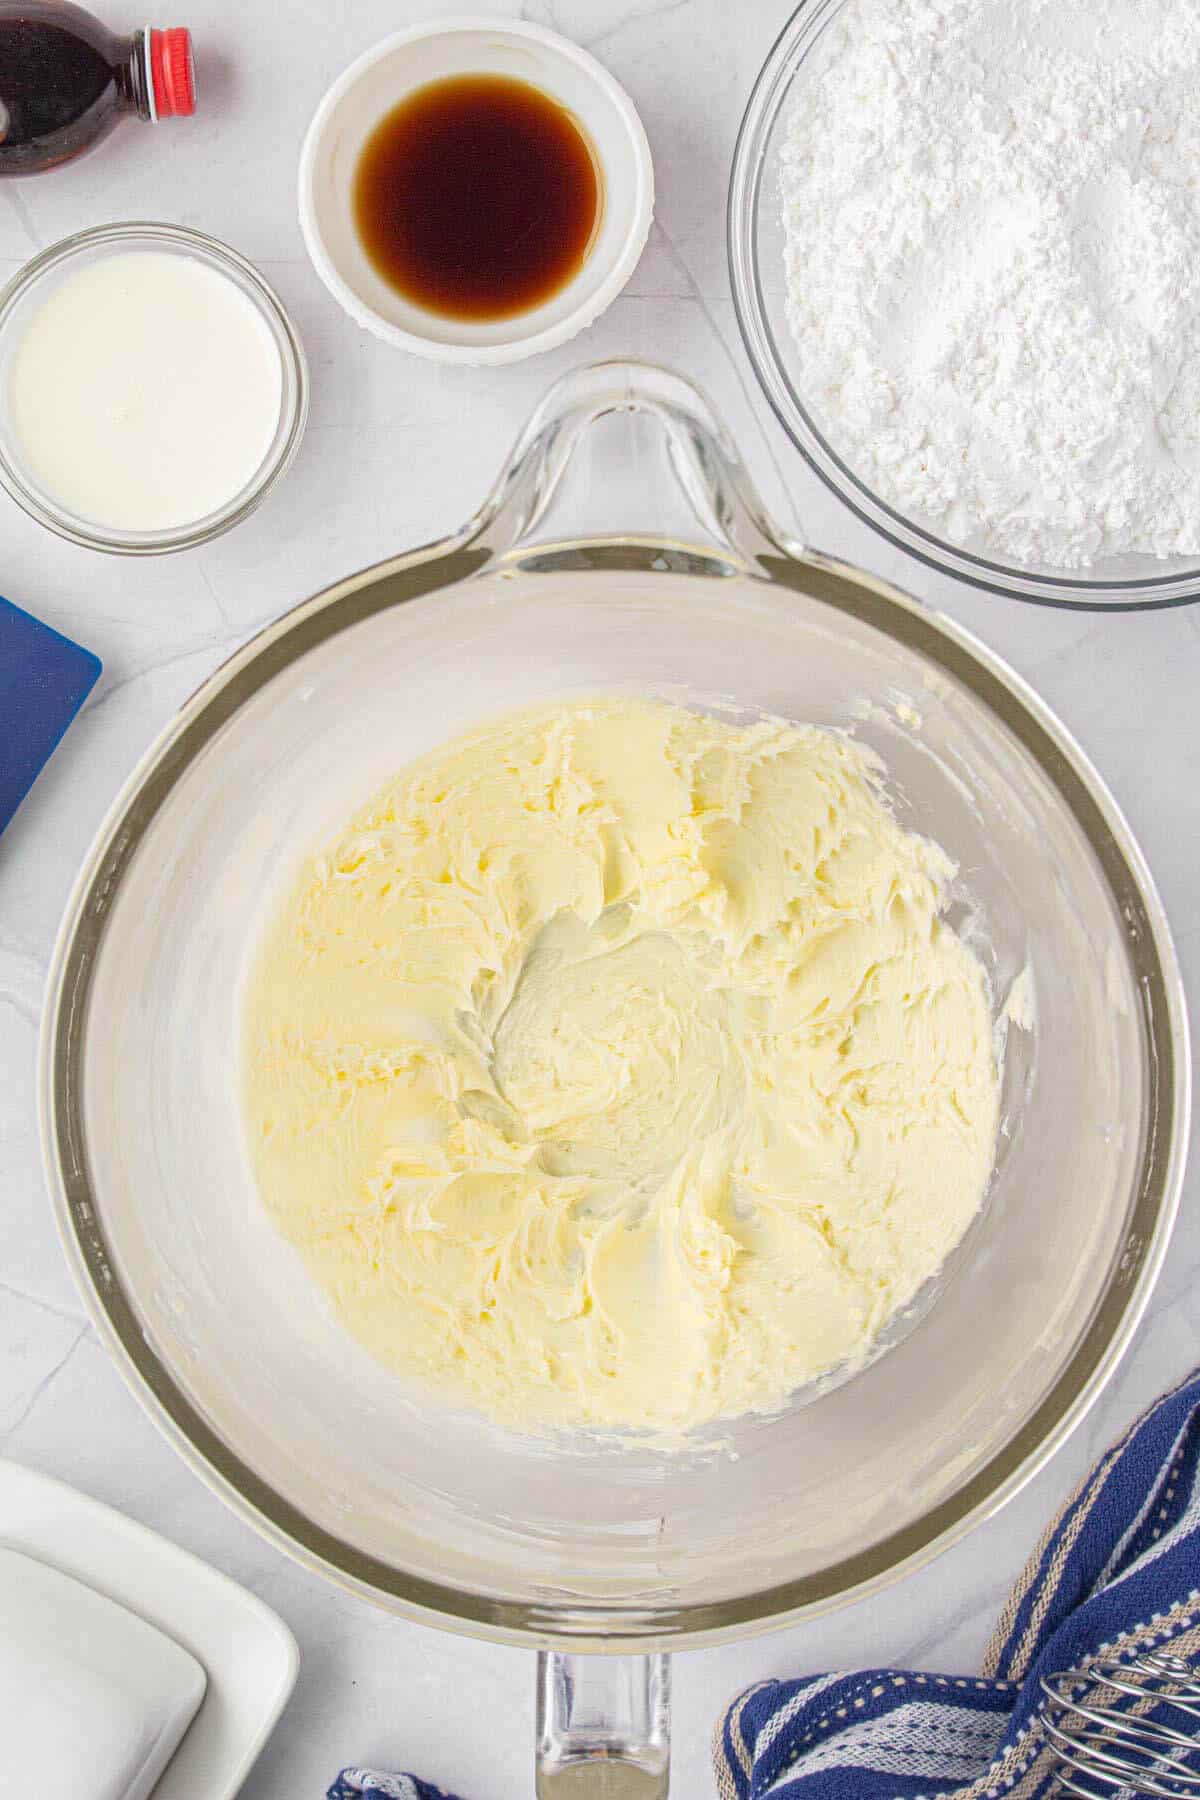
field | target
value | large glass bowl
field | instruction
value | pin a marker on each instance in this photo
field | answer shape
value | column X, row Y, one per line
column 756, row 269
column 620, row 550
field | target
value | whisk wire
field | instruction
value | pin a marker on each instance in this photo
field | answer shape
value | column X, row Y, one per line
column 1139, row 1731
column 1113, row 1738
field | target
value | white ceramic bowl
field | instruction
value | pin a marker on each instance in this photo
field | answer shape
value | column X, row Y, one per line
column 376, row 83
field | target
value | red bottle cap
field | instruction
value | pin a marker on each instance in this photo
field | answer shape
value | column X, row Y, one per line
column 172, row 72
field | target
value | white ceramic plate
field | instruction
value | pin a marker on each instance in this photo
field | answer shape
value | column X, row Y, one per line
column 248, row 1654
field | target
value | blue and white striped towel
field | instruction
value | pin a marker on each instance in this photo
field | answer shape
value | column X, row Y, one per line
column 369, row 1784
column 1118, row 1571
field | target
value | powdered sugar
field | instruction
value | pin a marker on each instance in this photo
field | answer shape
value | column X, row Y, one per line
column 992, row 215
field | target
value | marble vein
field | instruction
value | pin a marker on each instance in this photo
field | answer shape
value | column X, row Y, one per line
column 74, row 1317
column 207, row 584
column 39, row 1392
column 642, row 16
column 222, row 642
column 22, row 977
column 23, row 1008
column 24, row 216
column 696, row 294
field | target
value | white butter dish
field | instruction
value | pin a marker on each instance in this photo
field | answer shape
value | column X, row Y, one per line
column 93, row 1700
column 247, row 1654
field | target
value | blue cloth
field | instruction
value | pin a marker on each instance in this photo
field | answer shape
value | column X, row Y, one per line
column 1117, row 1571
column 368, row 1784
column 44, row 680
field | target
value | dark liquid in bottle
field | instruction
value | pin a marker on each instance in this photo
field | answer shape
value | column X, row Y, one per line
column 50, row 78
column 478, row 197
column 64, row 82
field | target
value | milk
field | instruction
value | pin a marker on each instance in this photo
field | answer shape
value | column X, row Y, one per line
column 145, row 392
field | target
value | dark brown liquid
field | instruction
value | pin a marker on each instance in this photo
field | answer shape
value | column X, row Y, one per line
column 64, row 83
column 477, row 197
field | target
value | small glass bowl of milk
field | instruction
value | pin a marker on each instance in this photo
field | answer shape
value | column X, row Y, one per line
column 152, row 388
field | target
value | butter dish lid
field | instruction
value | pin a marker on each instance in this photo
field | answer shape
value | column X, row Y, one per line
column 247, row 1653
column 94, row 1700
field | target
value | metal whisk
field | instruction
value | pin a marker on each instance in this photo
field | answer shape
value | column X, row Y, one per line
column 1126, row 1728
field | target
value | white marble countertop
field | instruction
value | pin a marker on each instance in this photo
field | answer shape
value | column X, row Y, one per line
column 399, row 451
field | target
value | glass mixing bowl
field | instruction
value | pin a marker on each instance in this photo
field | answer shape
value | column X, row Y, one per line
column 28, row 292
column 621, row 549
column 756, row 268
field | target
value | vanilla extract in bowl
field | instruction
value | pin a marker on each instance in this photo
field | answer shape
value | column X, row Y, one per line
column 478, row 197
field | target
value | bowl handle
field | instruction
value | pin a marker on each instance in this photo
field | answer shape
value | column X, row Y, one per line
column 627, row 451
column 603, row 1727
